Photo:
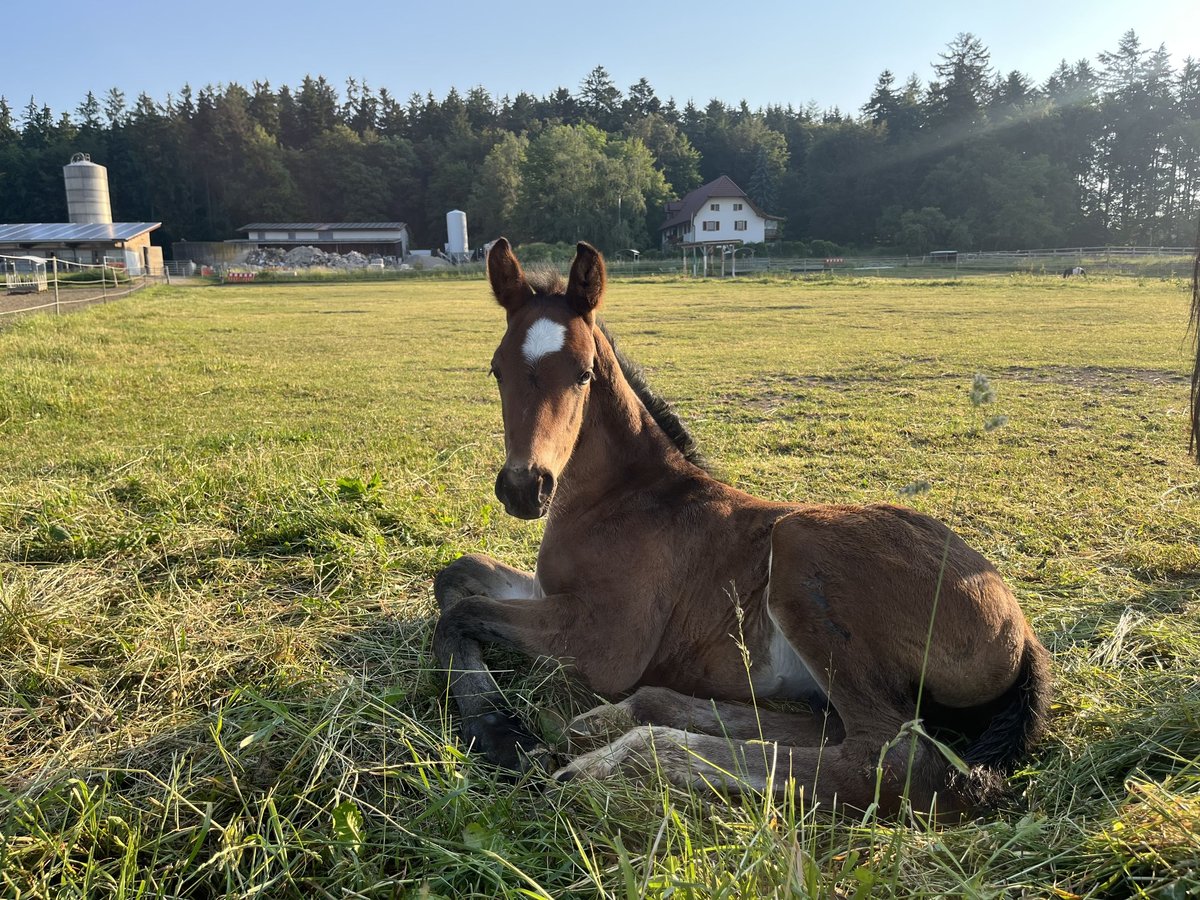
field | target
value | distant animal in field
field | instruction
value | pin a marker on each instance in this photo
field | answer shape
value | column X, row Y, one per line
column 653, row 578
column 1073, row 270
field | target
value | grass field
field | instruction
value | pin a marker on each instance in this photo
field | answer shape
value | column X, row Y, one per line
column 221, row 510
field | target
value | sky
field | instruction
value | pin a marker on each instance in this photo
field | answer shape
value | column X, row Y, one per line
column 764, row 53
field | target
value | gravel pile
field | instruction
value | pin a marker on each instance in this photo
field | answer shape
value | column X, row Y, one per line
column 312, row 258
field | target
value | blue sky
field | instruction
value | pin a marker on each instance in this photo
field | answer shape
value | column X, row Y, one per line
column 762, row 52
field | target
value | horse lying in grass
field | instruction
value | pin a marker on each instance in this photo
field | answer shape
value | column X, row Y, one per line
column 655, row 578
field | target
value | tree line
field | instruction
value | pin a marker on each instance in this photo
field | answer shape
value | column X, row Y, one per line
column 1101, row 152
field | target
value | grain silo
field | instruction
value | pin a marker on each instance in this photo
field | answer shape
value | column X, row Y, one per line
column 87, row 191
column 456, row 233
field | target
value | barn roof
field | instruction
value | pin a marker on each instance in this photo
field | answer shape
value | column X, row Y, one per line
column 680, row 211
column 70, row 232
column 324, row 226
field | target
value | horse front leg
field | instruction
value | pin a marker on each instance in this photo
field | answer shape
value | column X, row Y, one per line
column 561, row 627
column 488, row 721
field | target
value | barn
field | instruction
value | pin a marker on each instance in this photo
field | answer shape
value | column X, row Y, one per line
column 91, row 236
column 368, row 238
column 124, row 244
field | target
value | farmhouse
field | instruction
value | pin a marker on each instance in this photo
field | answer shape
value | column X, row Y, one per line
column 717, row 214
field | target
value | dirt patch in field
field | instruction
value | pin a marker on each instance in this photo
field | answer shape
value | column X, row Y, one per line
column 14, row 306
column 768, row 392
column 1092, row 376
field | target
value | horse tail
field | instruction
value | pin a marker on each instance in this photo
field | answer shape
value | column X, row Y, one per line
column 1194, row 326
column 1009, row 736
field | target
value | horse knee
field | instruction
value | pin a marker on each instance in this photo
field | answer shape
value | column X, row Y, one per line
column 459, row 579
column 477, row 575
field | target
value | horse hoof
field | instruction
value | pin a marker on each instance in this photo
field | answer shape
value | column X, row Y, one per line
column 540, row 759
column 503, row 739
column 565, row 775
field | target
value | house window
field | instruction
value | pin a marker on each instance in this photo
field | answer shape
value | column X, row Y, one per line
column 715, row 207
column 710, row 225
column 739, row 225
column 687, row 228
column 737, row 207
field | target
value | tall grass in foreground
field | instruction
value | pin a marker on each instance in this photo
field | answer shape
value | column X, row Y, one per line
column 221, row 509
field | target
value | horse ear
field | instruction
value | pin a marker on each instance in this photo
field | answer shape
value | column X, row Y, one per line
column 507, row 279
column 585, row 287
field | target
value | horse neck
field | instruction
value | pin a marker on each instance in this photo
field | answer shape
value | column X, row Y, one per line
column 620, row 446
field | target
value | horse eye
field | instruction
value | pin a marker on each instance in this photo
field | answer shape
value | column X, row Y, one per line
column 585, row 377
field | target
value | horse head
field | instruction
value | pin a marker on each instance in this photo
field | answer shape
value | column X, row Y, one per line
column 544, row 368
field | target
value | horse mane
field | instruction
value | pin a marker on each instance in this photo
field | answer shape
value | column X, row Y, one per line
column 660, row 410
column 545, row 281
column 1194, row 325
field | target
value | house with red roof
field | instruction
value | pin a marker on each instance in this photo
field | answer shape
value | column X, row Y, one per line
column 716, row 214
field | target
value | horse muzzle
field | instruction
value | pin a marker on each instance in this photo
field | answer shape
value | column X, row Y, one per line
column 526, row 493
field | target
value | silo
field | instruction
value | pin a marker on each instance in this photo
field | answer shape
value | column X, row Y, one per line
column 456, row 232
column 87, row 191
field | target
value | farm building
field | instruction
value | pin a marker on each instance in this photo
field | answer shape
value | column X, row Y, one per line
column 717, row 214
column 124, row 244
column 369, row 238
column 91, row 236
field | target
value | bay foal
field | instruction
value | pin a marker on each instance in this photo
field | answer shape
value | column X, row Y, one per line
column 650, row 572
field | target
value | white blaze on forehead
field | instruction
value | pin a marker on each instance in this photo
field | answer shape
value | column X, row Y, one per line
column 544, row 336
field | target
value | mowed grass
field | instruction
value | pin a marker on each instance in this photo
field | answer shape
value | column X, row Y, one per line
column 221, row 510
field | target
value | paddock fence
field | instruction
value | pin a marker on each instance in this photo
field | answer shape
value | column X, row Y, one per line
column 1109, row 261
column 32, row 284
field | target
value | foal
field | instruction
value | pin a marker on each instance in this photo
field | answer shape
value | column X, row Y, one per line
column 653, row 578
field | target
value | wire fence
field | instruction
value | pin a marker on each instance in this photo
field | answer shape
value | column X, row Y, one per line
column 745, row 261
column 33, row 284
column 38, row 285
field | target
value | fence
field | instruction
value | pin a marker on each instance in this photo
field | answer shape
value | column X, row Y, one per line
column 33, row 284
column 1098, row 260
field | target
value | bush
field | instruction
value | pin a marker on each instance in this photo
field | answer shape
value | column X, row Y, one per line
column 92, row 276
column 538, row 252
column 824, row 248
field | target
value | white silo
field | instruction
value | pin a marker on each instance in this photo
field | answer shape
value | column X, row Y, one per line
column 456, row 233
column 87, row 191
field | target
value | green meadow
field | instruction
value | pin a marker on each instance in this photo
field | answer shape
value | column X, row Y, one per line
column 221, row 510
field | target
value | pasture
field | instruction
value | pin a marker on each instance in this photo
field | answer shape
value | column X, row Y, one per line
column 221, row 510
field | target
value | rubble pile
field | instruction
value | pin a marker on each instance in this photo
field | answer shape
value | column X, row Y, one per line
column 313, row 258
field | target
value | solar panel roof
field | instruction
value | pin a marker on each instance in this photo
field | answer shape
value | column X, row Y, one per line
column 69, row 232
column 323, row 226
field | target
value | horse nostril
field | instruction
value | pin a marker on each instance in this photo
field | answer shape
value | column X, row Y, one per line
column 545, row 487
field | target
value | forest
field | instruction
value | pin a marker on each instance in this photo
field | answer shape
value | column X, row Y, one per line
column 1103, row 151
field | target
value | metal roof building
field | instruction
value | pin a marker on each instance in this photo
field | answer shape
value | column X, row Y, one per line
column 127, row 243
column 91, row 236
column 382, row 238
